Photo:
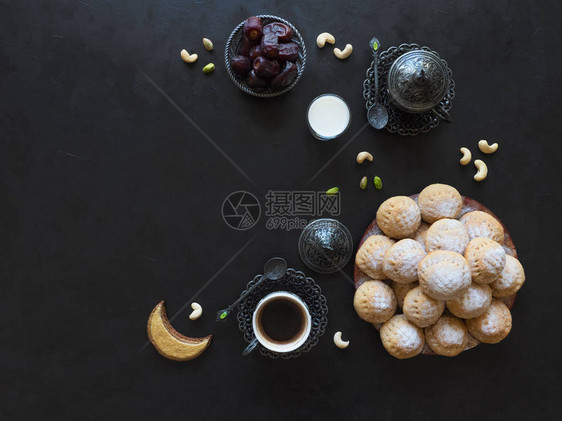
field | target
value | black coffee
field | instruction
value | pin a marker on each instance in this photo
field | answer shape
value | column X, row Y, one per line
column 281, row 320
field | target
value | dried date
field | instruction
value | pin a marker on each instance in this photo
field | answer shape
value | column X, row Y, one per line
column 288, row 52
column 269, row 45
column 266, row 69
column 255, row 52
column 283, row 32
column 286, row 77
column 253, row 28
column 254, row 81
column 245, row 46
column 240, row 65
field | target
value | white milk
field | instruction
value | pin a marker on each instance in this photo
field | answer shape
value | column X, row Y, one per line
column 328, row 116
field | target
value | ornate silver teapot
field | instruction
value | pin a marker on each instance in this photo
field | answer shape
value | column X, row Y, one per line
column 417, row 82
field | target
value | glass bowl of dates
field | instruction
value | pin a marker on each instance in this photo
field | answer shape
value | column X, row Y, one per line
column 265, row 56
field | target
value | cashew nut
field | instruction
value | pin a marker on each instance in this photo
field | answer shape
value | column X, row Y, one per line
column 208, row 44
column 188, row 58
column 484, row 147
column 482, row 172
column 197, row 311
column 466, row 156
column 345, row 53
column 362, row 156
column 339, row 342
column 324, row 38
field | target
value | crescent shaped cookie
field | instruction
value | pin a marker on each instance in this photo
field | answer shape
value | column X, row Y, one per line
column 169, row 342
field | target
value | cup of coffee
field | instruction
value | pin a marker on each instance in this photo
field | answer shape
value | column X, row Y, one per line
column 281, row 323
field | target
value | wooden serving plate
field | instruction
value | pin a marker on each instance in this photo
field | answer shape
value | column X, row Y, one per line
column 469, row 205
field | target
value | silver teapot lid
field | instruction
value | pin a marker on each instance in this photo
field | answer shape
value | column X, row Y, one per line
column 418, row 80
column 325, row 245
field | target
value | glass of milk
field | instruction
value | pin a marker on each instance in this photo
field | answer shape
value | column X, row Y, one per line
column 328, row 116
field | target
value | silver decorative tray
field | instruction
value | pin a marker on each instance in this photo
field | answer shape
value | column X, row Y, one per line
column 298, row 283
column 401, row 122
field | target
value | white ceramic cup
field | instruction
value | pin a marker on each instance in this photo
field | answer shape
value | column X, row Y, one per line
column 286, row 346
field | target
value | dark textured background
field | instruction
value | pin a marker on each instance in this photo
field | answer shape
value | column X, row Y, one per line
column 111, row 202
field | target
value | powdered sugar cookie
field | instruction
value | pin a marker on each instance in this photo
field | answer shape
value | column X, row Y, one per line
column 399, row 217
column 400, row 291
column 492, row 326
column 401, row 261
column 486, row 259
column 510, row 280
column 401, row 338
column 482, row 224
column 447, row 234
column 370, row 256
column 374, row 302
column 444, row 275
column 421, row 233
column 471, row 341
column 439, row 201
column 421, row 309
column 448, row 336
column 473, row 302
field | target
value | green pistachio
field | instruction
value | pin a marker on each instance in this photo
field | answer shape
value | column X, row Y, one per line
column 378, row 182
column 332, row 191
column 209, row 68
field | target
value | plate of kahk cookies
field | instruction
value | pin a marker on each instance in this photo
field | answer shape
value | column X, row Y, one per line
column 436, row 273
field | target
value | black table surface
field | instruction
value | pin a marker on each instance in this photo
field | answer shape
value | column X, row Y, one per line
column 112, row 192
